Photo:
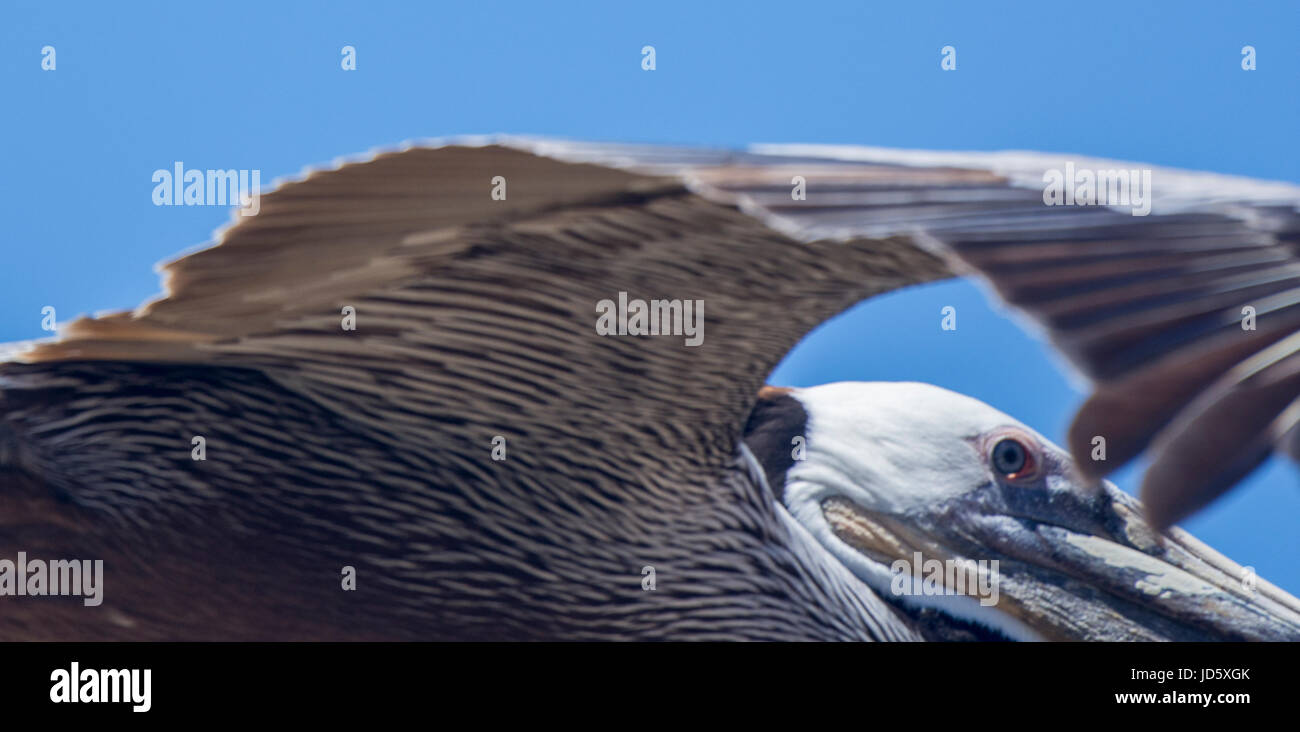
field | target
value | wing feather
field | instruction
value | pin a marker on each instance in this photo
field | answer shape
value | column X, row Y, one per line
column 1149, row 308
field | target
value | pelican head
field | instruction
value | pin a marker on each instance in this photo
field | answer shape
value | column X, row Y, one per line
column 978, row 527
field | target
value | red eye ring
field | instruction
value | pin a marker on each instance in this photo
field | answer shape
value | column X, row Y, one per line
column 1013, row 455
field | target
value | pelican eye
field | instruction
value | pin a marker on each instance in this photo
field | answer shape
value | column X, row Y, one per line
column 1011, row 458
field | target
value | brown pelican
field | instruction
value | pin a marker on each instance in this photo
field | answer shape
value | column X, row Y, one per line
column 380, row 408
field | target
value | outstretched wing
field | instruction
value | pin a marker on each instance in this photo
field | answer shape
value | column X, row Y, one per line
column 1180, row 318
column 1184, row 320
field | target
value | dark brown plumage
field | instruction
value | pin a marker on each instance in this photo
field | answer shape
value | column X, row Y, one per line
column 372, row 448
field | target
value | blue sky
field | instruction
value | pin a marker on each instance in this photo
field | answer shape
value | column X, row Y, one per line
column 258, row 85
